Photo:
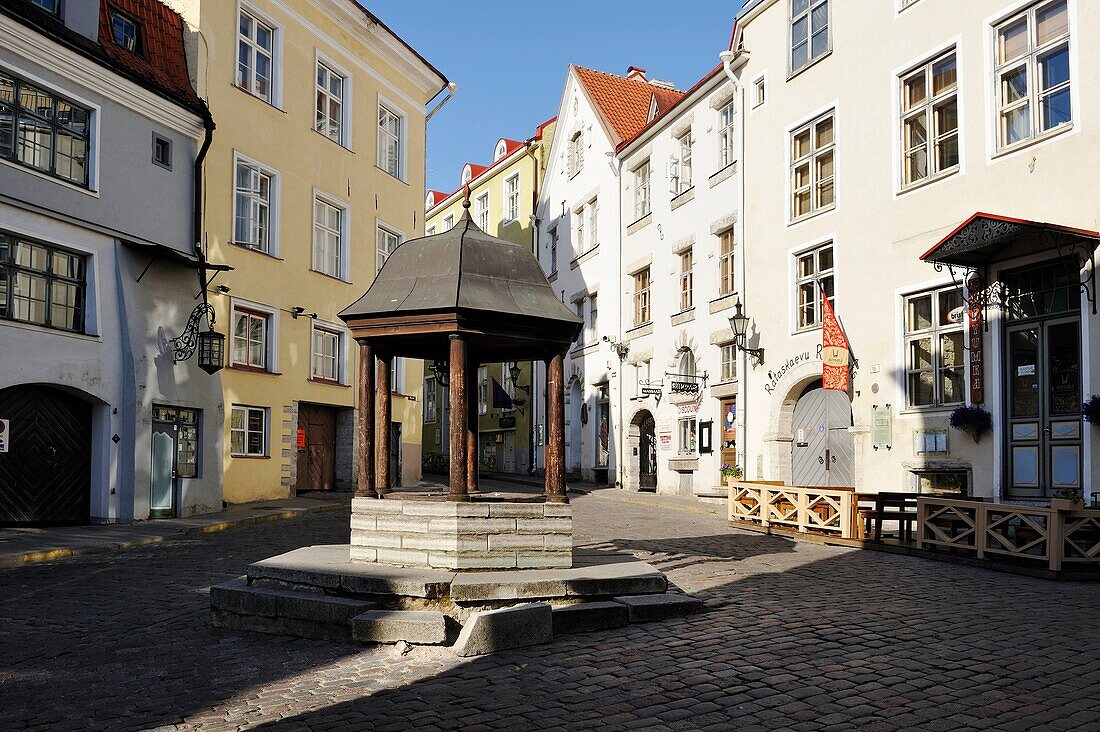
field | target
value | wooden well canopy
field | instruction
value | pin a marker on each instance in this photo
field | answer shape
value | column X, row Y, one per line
column 463, row 298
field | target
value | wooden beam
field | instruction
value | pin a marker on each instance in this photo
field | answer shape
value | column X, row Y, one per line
column 365, row 469
column 457, row 428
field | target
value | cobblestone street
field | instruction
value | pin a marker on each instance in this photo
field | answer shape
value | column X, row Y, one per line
column 795, row 636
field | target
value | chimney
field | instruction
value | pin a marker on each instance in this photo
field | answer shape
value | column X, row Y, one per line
column 637, row 73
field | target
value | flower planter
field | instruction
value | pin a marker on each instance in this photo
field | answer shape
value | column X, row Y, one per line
column 1067, row 504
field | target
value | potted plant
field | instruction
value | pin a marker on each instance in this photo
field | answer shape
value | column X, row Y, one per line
column 974, row 421
column 730, row 473
column 1091, row 410
column 1067, row 499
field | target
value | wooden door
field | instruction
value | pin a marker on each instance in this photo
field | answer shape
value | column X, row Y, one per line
column 317, row 456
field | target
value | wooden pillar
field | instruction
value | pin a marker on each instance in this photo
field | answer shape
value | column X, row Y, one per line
column 365, row 468
column 472, row 446
column 555, row 442
column 459, row 411
column 383, row 415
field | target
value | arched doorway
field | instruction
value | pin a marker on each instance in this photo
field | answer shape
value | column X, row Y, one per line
column 45, row 475
column 641, row 464
column 823, row 450
column 575, row 429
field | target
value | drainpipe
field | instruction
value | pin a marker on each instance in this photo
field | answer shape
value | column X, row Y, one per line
column 451, row 86
column 197, row 205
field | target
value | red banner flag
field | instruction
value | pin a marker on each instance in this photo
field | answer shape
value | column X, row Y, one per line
column 834, row 350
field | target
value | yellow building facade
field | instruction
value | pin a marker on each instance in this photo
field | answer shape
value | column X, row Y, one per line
column 503, row 196
column 315, row 174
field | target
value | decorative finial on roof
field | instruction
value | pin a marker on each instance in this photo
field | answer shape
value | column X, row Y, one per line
column 466, row 196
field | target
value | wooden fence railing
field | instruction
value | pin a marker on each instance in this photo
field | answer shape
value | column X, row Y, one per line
column 1000, row 530
column 822, row 510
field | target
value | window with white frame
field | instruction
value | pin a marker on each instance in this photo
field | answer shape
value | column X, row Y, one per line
column 430, row 231
column 328, row 238
column 728, row 353
column 593, row 219
column 725, row 135
column 248, row 431
column 252, row 203
column 687, row 365
column 397, row 375
column 390, row 131
column 1033, row 85
column 507, row 384
column 448, row 222
column 255, row 56
column 388, row 241
column 44, row 131
column 483, row 390
column 578, row 231
column 326, row 354
column 759, row 92
column 930, row 120
column 641, row 297
column 688, row 435
column 511, row 197
column 641, row 191
column 126, row 32
column 813, row 278
column 809, row 32
column 934, row 343
column 330, row 104
column 431, row 413
column 251, row 339
column 553, row 250
column 53, row 6
column 481, row 211
column 812, row 173
column 679, row 167
column 725, row 263
column 576, row 153
column 687, row 280
column 593, row 317
column 578, row 306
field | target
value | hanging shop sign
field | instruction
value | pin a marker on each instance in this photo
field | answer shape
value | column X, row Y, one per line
column 301, row 438
column 5, row 434
column 507, row 422
column 685, row 387
column 834, row 350
column 976, row 316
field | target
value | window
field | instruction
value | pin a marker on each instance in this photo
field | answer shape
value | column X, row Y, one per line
column 44, row 131
column 508, row 385
column 576, row 153
column 578, row 306
column 593, row 218
column 431, row 409
column 511, row 198
column 41, row 284
column 483, row 390
column 1033, row 73
column 248, row 431
column 255, row 57
column 725, row 135
column 330, row 104
column 388, row 241
column 812, row 173
column 679, row 168
column 930, row 120
column 641, row 191
column 687, row 363
column 725, row 264
column 252, row 217
column 687, row 262
column 430, row 231
column 593, row 314
column 481, row 210
column 186, row 423
column 250, row 339
column 448, row 222
column 759, row 92
column 389, row 141
column 326, row 355
column 935, row 362
column 729, row 362
column 397, row 375
column 814, row 276
column 53, row 6
column 162, row 151
column 124, row 30
column 688, row 435
column 942, row 481
column 578, row 231
column 809, row 32
column 553, row 250
column 328, row 238
column 641, row 297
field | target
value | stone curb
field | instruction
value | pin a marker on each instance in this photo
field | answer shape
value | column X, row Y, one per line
column 657, row 504
column 19, row 559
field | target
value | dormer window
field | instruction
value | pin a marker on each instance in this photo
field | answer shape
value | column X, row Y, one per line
column 501, row 150
column 52, row 6
column 125, row 32
column 467, row 174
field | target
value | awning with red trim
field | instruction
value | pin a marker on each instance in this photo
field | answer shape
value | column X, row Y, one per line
column 986, row 238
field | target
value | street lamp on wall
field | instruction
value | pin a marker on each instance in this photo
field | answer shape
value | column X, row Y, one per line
column 209, row 343
column 441, row 372
column 513, row 371
column 739, row 324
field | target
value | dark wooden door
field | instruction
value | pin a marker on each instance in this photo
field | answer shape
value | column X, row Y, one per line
column 647, row 454
column 317, row 457
column 46, row 474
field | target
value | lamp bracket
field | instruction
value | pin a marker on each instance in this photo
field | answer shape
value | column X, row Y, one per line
column 184, row 346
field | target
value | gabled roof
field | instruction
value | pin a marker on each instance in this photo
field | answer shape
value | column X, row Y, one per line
column 654, row 121
column 625, row 103
column 434, row 197
column 160, row 58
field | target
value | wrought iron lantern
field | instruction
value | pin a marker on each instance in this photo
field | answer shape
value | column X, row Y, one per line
column 739, row 324
column 441, row 371
column 513, row 371
column 210, row 344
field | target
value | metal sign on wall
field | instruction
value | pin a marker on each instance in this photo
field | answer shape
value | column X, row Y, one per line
column 882, row 426
column 5, row 435
column 977, row 337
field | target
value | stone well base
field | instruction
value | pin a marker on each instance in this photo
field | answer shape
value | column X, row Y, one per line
column 449, row 535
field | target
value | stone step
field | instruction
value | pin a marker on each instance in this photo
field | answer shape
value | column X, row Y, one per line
column 490, row 631
column 586, row 617
column 419, row 627
column 645, row 608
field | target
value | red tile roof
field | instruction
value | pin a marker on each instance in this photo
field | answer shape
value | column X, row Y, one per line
column 160, row 59
column 623, row 102
column 661, row 112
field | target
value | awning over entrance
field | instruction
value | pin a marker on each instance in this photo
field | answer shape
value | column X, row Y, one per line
column 985, row 239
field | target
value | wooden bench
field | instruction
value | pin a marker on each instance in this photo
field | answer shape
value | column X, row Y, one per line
column 892, row 506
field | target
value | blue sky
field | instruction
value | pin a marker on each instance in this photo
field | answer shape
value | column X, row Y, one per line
column 509, row 58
